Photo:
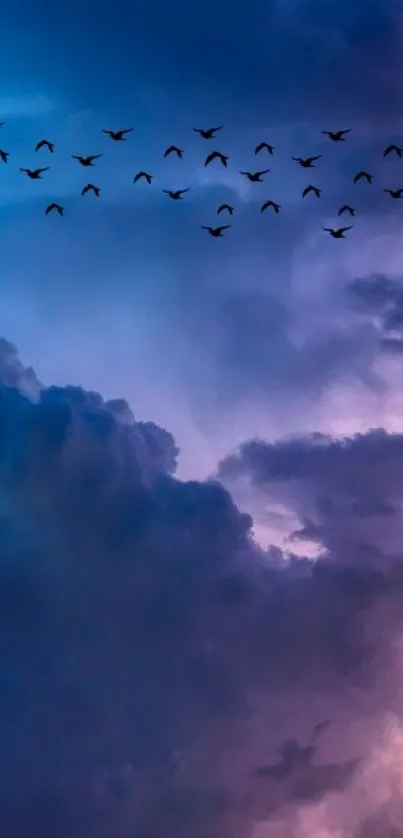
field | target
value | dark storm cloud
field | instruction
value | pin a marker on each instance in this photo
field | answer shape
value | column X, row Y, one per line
column 152, row 655
column 380, row 298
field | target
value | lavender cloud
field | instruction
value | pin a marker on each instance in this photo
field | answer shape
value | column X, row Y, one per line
column 153, row 656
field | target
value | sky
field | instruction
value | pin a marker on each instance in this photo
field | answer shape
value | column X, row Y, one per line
column 201, row 443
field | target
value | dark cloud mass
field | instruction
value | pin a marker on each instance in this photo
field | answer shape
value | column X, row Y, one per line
column 153, row 657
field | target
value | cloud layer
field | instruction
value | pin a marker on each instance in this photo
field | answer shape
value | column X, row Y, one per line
column 154, row 658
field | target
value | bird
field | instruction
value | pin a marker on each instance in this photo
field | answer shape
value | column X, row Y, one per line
column 118, row 136
column 216, row 155
column 365, row 175
column 225, row 207
column 4, row 155
column 394, row 148
column 337, row 234
column 56, row 207
column 175, row 194
column 43, row 143
column 216, row 232
column 346, row 208
column 337, row 136
column 320, row 728
column 255, row 177
column 273, row 204
column 86, row 161
column 35, row 174
column 394, row 193
column 307, row 162
column 174, row 148
column 208, row 133
column 261, row 146
column 313, row 189
column 141, row 174
column 90, row 187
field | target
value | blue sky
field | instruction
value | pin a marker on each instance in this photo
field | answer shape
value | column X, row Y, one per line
column 214, row 339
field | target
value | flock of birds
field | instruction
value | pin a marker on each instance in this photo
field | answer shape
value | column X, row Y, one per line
column 253, row 177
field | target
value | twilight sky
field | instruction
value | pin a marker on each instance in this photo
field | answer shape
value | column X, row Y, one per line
column 163, row 633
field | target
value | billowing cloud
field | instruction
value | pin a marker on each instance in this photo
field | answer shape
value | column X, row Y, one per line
column 154, row 658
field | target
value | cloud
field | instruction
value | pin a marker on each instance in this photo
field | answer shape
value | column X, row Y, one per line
column 27, row 107
column 154, row 656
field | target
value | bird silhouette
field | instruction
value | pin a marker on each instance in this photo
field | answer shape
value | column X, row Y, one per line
column 216, row 232
column 216, row 155
column 337, row 234
column 273, row 204
column 394, row 148
column 118, row 136
column 394, row 193
column 4, row 155
column 346, row 208
column 255, row 177
column 267, row 146
column 175, row 194
column 307, row 162
column 90, row 187
column 313, row 189
column 145, row 175
column 364, row 175
column 173, row 149
column 225, row 207
column 43, row 143
column 86, row 161
column 56, row 207
column 337, row 136
column 35, row 174
column 208, row 133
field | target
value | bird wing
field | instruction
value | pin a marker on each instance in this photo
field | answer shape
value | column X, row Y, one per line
column 209, row 158
column 126, row 131
column 45, row 169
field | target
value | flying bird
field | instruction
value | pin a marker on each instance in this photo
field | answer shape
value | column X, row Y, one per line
column 216, row 155
column 43, row 143
column 225, row 207
column 90, row 187
column 145, row 175
column 56, row 207
column 118, row 136
column 175, row 194
column 337, row 136
column 267, row 146
column 86, row 161
column 172, row 149
column 346, row 208
column 320, row 728
column 35, row 174
column 307, row 162
column 4, row 155
column 337, row 234
column 216, row 232
column 394, row 148
column 394, row 193
column 313, row 189
column 255, row 177
column 208, row 133
column 365, row 175
column 273, row 204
